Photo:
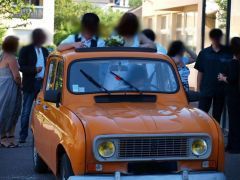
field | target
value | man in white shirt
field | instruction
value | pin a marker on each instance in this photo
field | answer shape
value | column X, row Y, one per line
column 87, row 38
column 32, row 61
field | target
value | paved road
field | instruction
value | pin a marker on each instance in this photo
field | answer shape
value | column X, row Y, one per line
column 17, row 164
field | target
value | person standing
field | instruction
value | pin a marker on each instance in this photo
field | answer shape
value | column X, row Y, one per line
column 32, row 61
column 89, row 37
column 232, row 79
column 152, row 36
column 128, row 29
column 177, row 51
column 10, row 93
column 209, row 64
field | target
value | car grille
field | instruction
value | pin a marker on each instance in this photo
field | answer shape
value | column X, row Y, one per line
column 153, row 147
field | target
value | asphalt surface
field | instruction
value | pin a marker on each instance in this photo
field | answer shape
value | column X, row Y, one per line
column 17, row 164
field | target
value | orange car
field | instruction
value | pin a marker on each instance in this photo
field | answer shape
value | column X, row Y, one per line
column 121, row 113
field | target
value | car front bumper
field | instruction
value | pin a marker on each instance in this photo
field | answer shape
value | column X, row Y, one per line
column 185, row 175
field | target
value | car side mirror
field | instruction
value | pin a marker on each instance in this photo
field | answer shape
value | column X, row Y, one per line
column 53, row 96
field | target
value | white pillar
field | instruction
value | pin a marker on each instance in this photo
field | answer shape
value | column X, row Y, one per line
column 121, row 2
column 126, row 3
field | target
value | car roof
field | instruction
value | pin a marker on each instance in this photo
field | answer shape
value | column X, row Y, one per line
column 108, row 52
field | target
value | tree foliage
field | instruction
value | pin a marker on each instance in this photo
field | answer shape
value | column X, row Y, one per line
column 222, row 14
column 10, row 8
column 135, row 3
column 68, row 14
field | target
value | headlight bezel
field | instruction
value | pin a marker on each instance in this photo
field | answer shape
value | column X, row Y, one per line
column 204, row 143
column 107, row 143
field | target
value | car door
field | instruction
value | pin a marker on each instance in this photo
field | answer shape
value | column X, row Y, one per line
column 52, row 113
column 44, row 138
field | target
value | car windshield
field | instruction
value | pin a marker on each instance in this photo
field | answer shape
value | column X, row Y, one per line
column 121, row 75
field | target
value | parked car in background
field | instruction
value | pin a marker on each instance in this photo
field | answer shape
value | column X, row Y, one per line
column 121, row 113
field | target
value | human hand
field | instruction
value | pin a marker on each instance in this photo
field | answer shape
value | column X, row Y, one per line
column 39, row 69
column 79, row 45
column 222, row 78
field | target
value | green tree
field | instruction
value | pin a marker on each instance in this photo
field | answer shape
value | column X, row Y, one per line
column 222, row 16
column 135, row 3
column 68, row 14
column 10, row 8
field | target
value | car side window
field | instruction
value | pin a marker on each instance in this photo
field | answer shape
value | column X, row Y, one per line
column 59, row 77
column 51, row 75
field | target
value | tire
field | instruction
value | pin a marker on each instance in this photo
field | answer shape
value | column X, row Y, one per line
column 38, row 164
column 65, row 169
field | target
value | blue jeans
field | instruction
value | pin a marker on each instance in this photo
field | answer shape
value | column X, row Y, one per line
column 28, row 98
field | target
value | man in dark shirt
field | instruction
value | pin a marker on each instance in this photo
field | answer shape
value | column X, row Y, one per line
column 210, row 62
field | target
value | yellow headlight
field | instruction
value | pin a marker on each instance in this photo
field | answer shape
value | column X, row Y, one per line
column 106, row 149
column 199, row 147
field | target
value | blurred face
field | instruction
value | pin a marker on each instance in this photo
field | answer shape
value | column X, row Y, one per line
column 43, row 39
column 88, row 35
column 216, row 41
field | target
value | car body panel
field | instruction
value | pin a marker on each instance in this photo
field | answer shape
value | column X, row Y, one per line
column 73, row 126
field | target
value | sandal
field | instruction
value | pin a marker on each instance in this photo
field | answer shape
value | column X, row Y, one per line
column 4, row 143
column 12, row 144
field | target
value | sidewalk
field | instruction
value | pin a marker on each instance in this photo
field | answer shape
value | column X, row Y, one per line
column 17, row 163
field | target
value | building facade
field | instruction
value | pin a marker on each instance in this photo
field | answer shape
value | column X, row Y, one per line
column 41, row 17
column 191, row 21
column 173, row 20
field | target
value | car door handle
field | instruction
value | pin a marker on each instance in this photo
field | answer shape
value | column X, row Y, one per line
column 45, row 107
column 38, row 102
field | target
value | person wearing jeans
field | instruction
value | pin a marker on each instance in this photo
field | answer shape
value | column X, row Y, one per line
column 32, row 61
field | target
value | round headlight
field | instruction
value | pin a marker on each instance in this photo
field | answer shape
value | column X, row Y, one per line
column 199, row 147
column 106, row 149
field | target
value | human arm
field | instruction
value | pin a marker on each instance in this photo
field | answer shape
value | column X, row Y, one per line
column 232, row 73
column 192, row 55
column 69, row 43
column 14, row 67
column 199, row 80
column 145, row 42
column 199, row 66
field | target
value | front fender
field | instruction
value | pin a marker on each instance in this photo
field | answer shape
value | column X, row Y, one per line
column 72, row 142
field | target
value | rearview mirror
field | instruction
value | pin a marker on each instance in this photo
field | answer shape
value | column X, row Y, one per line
column 52, row 96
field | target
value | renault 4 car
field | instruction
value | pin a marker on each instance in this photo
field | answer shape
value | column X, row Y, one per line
column 121, row 113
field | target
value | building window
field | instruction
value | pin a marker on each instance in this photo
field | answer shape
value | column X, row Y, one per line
column 235, row 16
column 35, row 2
column 179, row 20
column 149, row 23
column 164, row 22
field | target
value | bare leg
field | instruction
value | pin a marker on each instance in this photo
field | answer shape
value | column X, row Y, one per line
column 4, row 140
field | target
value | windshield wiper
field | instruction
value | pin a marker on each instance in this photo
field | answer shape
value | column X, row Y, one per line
column 94, row 82
column 126, row 82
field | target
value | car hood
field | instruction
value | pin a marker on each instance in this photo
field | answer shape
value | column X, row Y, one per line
column 141, row 118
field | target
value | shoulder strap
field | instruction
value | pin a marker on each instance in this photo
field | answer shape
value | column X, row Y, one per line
column 94, row 42
column 77, row 38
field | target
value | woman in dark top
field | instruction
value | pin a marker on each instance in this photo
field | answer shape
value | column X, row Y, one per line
column 232, row 78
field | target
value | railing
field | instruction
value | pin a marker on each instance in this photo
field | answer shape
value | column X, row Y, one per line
column 37, row 12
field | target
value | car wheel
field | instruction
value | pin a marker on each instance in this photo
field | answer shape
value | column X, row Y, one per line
column 65, row 170
column 39, row 165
